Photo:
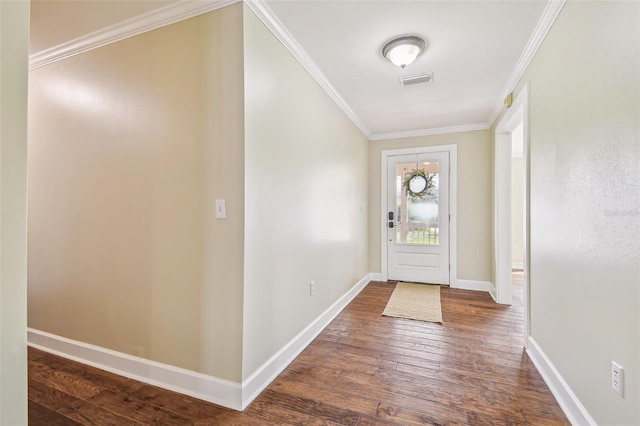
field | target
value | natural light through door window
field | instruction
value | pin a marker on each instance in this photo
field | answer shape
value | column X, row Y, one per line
column 417, row 210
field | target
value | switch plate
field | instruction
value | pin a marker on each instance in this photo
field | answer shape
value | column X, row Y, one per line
column 221, row 211
column 617, row 378
column 312, row 288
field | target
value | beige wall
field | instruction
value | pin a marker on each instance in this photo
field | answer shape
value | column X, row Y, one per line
column 306, row 180
column 517, row 210
column 129, row 146
column 223, row 251
column 14, row 44
column 474, row 199
column 585, row 189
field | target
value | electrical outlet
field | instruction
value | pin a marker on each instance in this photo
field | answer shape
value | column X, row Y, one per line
column 617, row 378
column 312, row 288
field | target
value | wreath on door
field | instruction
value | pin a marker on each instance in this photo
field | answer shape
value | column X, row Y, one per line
column 419, row 184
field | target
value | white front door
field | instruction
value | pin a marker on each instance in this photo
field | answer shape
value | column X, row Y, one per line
column 418, row 217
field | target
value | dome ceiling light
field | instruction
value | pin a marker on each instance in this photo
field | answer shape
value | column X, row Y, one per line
column 402, row 51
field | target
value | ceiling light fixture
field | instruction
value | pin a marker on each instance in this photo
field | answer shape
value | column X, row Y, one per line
column 402, row 51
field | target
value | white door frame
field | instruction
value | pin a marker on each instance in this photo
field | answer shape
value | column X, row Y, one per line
column 453, row 192
column 518, row 113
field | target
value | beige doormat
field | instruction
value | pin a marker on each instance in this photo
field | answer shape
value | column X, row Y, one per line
column 415, row 301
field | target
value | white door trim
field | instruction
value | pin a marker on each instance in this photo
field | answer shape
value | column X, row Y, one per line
column 453, row 197
column 518, row 113
column 502, row 217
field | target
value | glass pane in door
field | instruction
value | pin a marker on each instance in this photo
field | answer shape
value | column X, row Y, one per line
column 417, row 212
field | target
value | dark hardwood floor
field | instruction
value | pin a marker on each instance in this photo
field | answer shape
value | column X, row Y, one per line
column 364, row 369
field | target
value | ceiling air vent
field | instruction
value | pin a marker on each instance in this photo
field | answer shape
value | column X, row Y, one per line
column 412, row 80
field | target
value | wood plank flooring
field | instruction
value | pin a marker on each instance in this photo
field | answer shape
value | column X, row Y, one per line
column 364, row 369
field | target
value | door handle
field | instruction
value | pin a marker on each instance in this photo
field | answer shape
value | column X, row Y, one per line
column 390, row 215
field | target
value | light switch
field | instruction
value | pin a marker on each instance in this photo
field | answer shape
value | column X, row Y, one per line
column 221, row 212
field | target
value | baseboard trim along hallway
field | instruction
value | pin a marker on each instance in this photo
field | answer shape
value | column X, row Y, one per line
column 568, row 401
column 226, row 393
column 363, row 368
column 209, row 388
column 472, row 285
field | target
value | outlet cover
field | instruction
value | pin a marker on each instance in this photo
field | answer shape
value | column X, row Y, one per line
column 617, row 378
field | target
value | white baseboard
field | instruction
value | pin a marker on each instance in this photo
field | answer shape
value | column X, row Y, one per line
column 267, row 372
column 568, row 401
column 471, row 285
column 234, row 395
column 493, row 291
column 202, row 386
column 375, row 276
column 517, row 265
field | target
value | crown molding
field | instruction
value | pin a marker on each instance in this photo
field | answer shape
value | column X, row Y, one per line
column 186, row 9
column 161, row 17
column 427, row 132
column 266, row 15
column 549, row 16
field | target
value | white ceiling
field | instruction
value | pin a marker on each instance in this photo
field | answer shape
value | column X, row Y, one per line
column 473, row 49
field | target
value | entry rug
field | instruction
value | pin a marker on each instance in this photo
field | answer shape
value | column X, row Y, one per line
column 415, row 301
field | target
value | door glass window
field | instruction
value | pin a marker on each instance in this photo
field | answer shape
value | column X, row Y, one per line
column 417, row 209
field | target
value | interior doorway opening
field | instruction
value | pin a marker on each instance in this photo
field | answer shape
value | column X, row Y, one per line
column 511, row 219
column 517, row 198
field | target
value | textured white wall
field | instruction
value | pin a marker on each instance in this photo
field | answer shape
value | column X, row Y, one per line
column 585, row 205
column 305, row 183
